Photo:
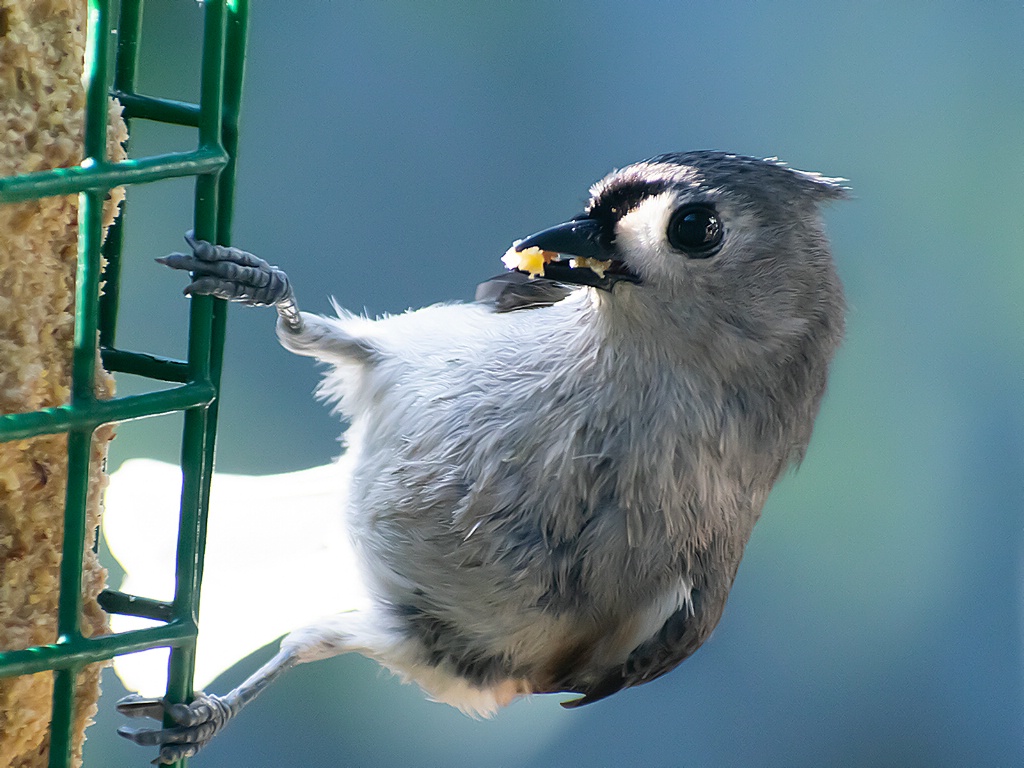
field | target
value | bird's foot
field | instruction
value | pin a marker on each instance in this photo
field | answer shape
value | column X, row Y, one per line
column 232, row 274
column 197, row 723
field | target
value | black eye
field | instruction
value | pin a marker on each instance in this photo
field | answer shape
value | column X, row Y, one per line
column 696, row 230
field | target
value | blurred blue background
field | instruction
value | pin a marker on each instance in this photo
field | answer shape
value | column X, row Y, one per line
column 391, row 151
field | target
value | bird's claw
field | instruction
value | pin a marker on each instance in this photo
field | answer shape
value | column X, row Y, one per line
column 196, row 724
column 230, row 273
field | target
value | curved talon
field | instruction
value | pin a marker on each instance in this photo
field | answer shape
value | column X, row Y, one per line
column 210, row 253
column 134, row 705
column 197, row 723
column 203, row 709
column 258, row 277
column 201, row 720
column 214, row 286
column 155, row 737
column 233, row 274
column 172, row 753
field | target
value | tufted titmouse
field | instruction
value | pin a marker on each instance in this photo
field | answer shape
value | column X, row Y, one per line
column 550, row 489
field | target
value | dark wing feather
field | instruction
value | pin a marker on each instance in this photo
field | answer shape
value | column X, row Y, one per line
column 514, row 290
column 680, row 635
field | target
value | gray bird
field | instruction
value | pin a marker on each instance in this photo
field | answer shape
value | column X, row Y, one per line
column 549, row 490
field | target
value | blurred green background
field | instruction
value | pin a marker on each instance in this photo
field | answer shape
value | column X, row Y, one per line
column 391, row 151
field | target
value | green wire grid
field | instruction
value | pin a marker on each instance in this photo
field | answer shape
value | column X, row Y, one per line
column 198, row 377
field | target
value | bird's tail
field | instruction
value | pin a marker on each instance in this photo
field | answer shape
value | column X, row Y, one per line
column 277, row 558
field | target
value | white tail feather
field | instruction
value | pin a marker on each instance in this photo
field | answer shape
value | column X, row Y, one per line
column 277, row 558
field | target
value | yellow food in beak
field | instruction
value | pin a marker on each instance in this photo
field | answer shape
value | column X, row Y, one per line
column 529, row 260
column 596, row 266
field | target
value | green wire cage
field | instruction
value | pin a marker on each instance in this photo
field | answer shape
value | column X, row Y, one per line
column 189, row 386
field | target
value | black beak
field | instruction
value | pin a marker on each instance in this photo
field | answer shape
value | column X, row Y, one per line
column 580, row 237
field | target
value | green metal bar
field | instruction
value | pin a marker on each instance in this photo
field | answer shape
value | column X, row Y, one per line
column 160, row 110
column 234, row 74
column 129, row 33
column 104, row 176
column 48, row 421
column 144, row 364
column 199, row 434
column 69, row 608
column 213, row 163
column 83, row 382
column 41, row 658
column 112, row 601
column 129, row 30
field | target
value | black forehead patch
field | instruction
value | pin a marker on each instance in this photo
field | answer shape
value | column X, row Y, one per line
column 617, row 199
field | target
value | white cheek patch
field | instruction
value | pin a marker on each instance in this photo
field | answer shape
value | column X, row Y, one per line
column 640, row 237
column 642, row 230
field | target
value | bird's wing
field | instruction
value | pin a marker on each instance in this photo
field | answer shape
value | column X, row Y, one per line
column 514, row 290
column 277, row 558
column 680, row 635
